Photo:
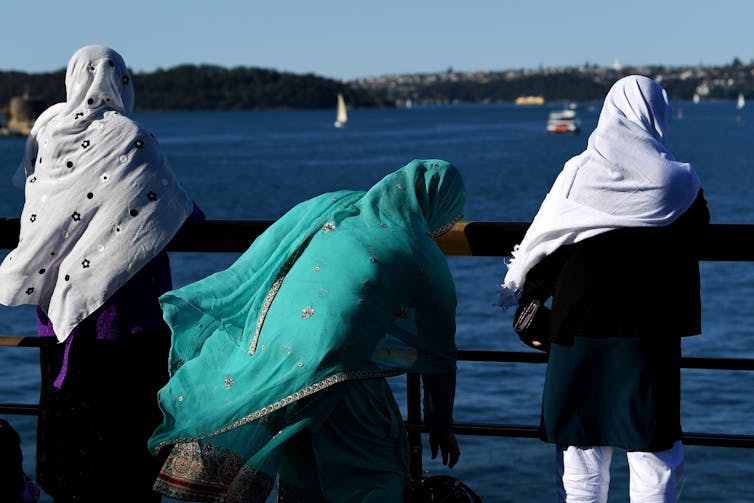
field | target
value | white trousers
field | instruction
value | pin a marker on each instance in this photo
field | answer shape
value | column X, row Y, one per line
column 584, row 474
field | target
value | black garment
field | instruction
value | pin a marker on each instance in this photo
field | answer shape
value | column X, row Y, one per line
column 92, row 434
column 12, row 477
column 621, row 302
column 631, row 282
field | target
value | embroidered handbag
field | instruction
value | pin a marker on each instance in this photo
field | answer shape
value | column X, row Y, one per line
column 532, row 323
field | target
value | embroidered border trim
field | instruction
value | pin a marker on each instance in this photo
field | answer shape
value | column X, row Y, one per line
column 436, row 233
column 273, row 292
column 293, row 397
column 263, row 314
column 305, row 392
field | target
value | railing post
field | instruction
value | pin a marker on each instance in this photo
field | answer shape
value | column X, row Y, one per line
column 413, row 423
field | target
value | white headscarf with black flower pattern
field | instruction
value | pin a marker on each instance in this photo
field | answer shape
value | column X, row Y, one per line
column 101, row 200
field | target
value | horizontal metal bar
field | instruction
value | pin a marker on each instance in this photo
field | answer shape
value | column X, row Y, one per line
column 719, row 242
column 472, row 355
column 492, row 430
column 522, row 431
column 718, row 440
column 492, row 356
column 20, row 341
column 19, row 409
column 687, row 362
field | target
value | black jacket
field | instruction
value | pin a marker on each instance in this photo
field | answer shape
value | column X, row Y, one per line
column 631, row 282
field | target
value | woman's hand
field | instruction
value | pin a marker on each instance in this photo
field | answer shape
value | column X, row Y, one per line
column 445, row 439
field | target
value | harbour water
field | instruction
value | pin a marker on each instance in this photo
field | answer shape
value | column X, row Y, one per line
column 256, row 165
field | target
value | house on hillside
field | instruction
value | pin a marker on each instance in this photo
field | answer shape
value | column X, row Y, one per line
column 21, row 114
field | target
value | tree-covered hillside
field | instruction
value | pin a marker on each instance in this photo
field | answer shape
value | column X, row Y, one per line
column 190, row 87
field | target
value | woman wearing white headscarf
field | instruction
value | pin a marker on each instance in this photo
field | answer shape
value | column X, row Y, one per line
column 614, row 245
column 101, row 204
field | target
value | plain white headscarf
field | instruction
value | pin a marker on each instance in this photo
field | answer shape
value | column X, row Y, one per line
column 624, row 178
column 100, row 198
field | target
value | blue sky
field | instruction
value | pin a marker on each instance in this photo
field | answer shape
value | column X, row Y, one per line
column 350, row 39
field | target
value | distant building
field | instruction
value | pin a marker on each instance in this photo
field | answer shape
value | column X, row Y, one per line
column 23, row 111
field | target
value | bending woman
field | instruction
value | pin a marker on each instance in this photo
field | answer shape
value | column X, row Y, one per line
column 279, row 362
column 615, row 246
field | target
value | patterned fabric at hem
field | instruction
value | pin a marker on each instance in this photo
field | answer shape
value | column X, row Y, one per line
column 211, row 474
column 284, row 402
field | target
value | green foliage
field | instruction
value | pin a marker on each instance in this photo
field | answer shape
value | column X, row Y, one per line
column 48, row 86
column 208, row 87
column 205, row 87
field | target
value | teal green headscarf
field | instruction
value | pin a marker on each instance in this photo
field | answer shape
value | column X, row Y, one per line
column 347, row 285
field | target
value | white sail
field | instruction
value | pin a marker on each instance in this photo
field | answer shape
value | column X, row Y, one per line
column 741, row 101
column 342, row 115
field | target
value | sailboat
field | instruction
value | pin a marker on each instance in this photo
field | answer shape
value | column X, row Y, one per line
column 342, row 116
column 741, row 101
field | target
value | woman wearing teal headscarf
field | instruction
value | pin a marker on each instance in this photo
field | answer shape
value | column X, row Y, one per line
column 278, row 363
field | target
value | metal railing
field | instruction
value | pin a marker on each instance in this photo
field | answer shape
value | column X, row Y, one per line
column 732, row 242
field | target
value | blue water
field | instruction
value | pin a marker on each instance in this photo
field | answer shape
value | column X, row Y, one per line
column 255, row 165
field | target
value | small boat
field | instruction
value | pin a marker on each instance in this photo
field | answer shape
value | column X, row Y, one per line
column 341, row 117
column 563, row 121
column 741, row 101
column 696, row 98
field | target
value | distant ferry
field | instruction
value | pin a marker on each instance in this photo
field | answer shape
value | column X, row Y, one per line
column 530, row 100
column 563, row 121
